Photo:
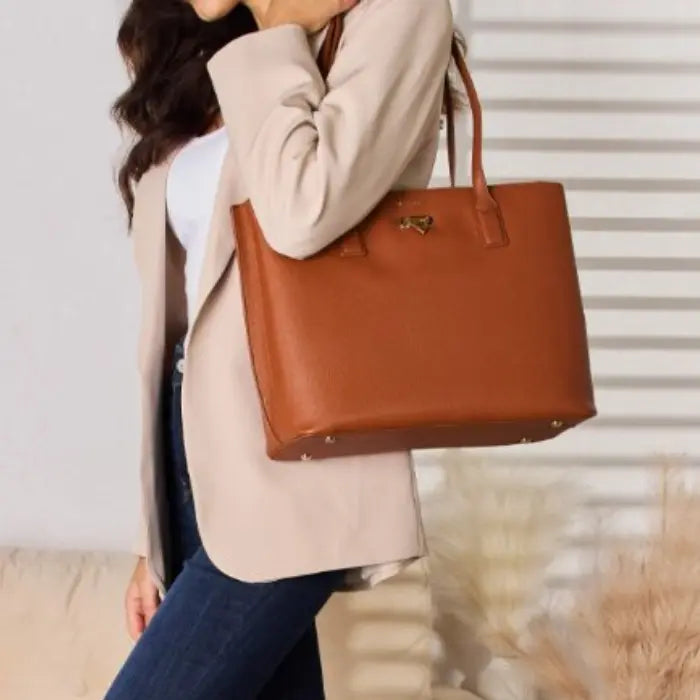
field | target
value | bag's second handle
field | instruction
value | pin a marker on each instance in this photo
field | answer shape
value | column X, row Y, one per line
column 488, row 212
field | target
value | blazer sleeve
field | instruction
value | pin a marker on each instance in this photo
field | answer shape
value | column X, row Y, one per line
column 317, row 158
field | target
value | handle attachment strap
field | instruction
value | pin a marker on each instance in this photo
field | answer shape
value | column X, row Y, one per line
column 488, row 213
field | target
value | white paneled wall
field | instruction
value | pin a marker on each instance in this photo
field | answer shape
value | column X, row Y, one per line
column 606, row 98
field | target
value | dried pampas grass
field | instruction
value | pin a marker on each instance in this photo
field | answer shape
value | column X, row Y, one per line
column 491, row 533
column 637, row 633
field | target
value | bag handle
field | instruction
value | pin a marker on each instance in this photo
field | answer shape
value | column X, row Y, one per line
column 488, row 212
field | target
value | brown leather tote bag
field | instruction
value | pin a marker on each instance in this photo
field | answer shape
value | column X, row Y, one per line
column 448, row 317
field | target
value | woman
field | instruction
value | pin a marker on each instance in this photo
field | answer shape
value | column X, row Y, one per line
column 228, row 104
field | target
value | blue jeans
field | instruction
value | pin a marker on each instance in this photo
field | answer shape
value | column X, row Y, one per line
column 214, row 637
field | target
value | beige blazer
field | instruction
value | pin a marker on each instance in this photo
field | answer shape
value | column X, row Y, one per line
column 314, row 159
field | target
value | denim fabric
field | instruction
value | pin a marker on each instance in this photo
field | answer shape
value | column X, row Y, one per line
column 214, row 637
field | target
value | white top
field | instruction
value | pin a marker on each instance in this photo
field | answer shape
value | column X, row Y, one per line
column 193, row 178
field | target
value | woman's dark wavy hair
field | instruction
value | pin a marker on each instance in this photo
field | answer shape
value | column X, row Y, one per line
column 166, row 46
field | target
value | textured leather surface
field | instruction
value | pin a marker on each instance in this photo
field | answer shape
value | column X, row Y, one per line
column 472, row 334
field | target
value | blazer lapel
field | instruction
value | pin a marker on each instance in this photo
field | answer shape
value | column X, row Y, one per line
column 220, row 243
column 149, row 218
column 148, row 232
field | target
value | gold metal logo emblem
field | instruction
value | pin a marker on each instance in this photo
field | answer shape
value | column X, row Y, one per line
column 422, row 224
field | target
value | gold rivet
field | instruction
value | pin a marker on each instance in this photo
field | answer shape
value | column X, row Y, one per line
column 306, row 456
column 557, row 424
column 329, row 439
column 525, row 439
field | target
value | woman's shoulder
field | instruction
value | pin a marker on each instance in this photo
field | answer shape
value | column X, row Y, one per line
column 424, row 14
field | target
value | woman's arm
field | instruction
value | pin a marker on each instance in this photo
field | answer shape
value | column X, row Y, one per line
column 315, row 160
